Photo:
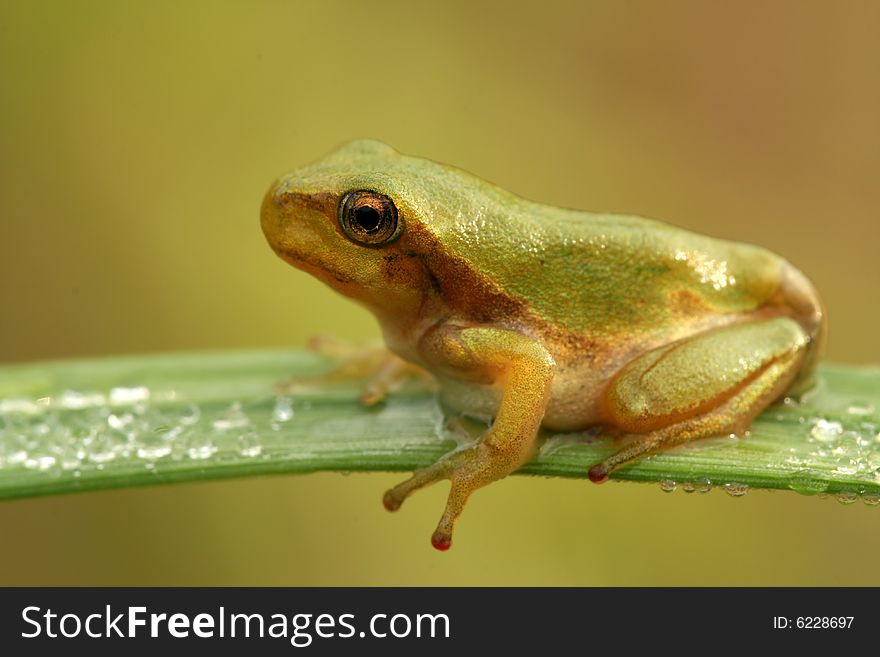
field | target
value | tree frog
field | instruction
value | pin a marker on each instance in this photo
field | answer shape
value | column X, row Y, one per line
column 539, row 316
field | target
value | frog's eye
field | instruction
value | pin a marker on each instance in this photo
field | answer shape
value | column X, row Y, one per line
column 368, row 217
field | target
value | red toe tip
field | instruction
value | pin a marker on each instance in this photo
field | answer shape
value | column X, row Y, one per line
column 441, row 542
column 598, row 474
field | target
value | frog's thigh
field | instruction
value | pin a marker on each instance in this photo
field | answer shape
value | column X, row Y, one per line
column 690, row 377
column 712, row 384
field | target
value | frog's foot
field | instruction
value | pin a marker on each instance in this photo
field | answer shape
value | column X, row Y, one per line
column 467, row 470
column 643, row 399
column 339, row 349
column 383, row 370
column 526, row 370
column 390, row 373
column 638, row 446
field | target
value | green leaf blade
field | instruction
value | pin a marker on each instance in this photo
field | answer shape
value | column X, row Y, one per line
column 118, row 422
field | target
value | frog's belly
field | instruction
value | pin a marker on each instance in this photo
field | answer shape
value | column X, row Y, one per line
column 579, row 382
column 576, row 397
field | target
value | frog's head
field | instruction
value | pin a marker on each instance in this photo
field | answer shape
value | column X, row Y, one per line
column 359, row 221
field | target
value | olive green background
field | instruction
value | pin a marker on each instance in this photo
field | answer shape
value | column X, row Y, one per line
column 137, row 140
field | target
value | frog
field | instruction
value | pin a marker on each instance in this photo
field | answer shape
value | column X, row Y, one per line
column 543, row 318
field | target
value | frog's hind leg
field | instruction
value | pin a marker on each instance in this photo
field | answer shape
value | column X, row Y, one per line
column 712, row 384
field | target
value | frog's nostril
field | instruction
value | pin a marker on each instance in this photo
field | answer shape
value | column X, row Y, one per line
column 285, row 198
column 282, row 196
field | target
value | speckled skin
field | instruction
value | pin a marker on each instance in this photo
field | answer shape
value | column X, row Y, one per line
column 537, row 315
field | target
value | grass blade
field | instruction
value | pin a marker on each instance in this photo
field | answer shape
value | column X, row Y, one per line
column 115, row 422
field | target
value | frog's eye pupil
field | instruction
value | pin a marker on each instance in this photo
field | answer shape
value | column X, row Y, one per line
column 368, row 218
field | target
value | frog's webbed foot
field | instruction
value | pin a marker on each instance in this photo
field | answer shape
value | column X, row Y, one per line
column 383, row 370
column 391, row 372
column 525, row 369
column 710, row 385
column 467, row 470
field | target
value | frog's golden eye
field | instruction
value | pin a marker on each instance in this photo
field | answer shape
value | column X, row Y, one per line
column 368, row 217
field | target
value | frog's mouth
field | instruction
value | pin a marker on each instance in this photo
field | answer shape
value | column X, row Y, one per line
column 316, row 266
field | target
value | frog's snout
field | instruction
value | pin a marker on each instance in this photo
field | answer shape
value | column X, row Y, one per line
column 281, row 207
column 297, row 222
column 271, row 214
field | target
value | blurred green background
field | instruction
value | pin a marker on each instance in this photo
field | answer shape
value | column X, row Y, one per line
column 137, row 140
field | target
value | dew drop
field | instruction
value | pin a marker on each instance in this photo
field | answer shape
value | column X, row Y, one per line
column 120, row 421
column 249, row 444
column 70, row 455
column 190, row 415
column 41, row 462
column 123, row 395
column 860, row 408
column 201, row 448
column 16, row 451
column 736, row 490
column 152, row 447
column 39, row 431
column 233, row 418
column 667, row 485
column 847, row 498
column 807, row 482
column 72, row 400
column 20, row 406
column 105, row 446
column 826, row 431
column 849, row 443
column 283, row 411
column 871, row 500
column 848, row 468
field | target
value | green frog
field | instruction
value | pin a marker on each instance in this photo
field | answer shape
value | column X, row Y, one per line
column 540, row 316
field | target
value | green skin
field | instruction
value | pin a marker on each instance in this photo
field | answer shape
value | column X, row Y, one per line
column 542, row 316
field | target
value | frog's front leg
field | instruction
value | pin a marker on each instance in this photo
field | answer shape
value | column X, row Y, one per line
column 524, row 370
column 381, row 370
column 711, row 384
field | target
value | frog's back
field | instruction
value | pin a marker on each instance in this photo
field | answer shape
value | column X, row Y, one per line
column 585, row 273
column 601, row 273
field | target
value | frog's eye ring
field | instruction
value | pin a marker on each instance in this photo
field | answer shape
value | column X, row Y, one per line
column 368, row 218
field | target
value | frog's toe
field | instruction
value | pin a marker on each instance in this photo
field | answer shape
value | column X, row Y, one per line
column 372, row 396
column 394, row 497
column 598, row 474
column 390, row 501
column 468, row 470
column 332, row 347
column 441, row 540
column 458, row 495
column 638, row 446
column 387, row 375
